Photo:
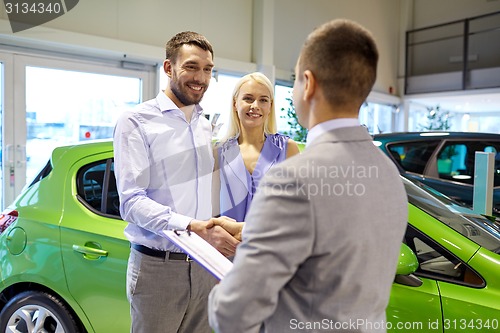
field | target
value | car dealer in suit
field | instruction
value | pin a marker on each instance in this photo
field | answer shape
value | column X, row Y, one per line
column 322, row 238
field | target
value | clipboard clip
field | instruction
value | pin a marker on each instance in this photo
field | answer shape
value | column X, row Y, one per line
column 178, row 232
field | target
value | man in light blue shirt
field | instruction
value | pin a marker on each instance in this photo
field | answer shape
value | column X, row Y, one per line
column 163, row 166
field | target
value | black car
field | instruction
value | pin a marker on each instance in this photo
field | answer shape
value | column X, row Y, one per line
column 443, row 160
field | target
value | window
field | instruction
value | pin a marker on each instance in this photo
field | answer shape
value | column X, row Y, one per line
column 96, row 187
column 437, row 263
column 413, row 156
column 58, row 112
column 50, row 100
column 378, row 118
column 455, row 160
column 218, row 100
column 1, row 136
column 282, row 102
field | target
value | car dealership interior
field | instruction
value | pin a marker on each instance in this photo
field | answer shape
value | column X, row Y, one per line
column 65, row 79
column 97, row 48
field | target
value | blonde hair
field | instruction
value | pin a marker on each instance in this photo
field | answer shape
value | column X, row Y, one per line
column 234, row 122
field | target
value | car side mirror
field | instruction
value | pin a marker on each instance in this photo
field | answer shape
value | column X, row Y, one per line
column 407, row 265
column 407, row 262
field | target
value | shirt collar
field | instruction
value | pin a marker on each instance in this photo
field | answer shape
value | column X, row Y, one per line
column 329, row 125
column 166, row 104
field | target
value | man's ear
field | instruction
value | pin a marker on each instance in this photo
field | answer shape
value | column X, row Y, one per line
column 309, row 85
column 167, row 67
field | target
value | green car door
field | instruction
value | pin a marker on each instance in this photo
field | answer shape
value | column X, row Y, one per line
column 473, row 307
column 456, row 287
column 414, row 308
column 95, row 250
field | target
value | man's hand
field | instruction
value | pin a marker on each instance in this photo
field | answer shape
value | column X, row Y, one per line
column 230, row 225
column 215, row 235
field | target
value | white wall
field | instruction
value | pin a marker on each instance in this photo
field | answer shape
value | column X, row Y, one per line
column 432, row 12
column 226, row 23
column 138, row 29
column 295, row 19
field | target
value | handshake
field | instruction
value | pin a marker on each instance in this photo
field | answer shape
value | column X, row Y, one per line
column 230, row 225
column 223, row 233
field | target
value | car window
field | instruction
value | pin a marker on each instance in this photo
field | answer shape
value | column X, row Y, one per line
column 96, row 188
column 455, row 160
column 477, row 228
column 413, row 156
column 454, row 163
column 438, row 263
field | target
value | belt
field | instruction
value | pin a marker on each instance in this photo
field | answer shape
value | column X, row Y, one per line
column 160, row 254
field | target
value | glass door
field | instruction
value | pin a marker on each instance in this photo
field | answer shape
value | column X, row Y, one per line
column 58, row 102
column 64, row 106
column 7, row 163
column 2, row 85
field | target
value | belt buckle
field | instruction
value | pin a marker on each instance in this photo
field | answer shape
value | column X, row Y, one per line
column 188, row 258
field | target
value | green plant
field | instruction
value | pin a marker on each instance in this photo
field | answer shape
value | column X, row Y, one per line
column 296, row 132
column 440, row 120
column 437, row 119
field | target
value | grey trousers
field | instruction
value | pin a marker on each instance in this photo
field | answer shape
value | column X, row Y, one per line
column 167, row 296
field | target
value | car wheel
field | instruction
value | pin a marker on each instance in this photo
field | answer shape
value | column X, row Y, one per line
column 34, row 311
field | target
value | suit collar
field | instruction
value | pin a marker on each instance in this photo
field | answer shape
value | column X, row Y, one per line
column 353, row 133
column 329, row 125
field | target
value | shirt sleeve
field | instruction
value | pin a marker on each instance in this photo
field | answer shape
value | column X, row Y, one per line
column 131, row 162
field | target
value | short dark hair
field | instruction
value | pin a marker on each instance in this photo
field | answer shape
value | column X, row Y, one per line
column 343, row 56
column 186, row 37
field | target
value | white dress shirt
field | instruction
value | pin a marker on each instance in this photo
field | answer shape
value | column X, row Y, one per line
column 163, row 166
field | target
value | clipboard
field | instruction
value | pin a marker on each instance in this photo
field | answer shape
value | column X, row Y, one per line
column 201, row 251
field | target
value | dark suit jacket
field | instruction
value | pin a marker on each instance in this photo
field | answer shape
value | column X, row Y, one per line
column 320, row 245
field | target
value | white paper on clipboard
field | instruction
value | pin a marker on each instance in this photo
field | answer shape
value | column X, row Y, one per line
column 201, row 251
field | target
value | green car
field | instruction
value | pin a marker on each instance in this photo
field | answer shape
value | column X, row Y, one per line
column 63, row 256
column 456, row 287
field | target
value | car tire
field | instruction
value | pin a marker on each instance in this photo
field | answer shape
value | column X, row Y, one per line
column 35, row 311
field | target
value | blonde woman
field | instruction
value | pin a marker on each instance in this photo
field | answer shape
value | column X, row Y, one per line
column 250, row 147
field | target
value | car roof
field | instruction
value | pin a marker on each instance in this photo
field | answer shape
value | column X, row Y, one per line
column 80, row 149
column 428, row 135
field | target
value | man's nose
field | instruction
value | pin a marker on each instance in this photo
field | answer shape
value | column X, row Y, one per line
column 200, row 76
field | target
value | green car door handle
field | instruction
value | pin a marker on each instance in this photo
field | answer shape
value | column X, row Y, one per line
column 90, row 252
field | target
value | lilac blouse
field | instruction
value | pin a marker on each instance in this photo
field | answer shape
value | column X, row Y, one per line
column 237, row 184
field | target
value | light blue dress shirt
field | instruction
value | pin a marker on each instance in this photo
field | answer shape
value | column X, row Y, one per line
column 163, row 166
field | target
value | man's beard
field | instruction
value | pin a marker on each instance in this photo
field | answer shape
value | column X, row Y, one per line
column 180, row 92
